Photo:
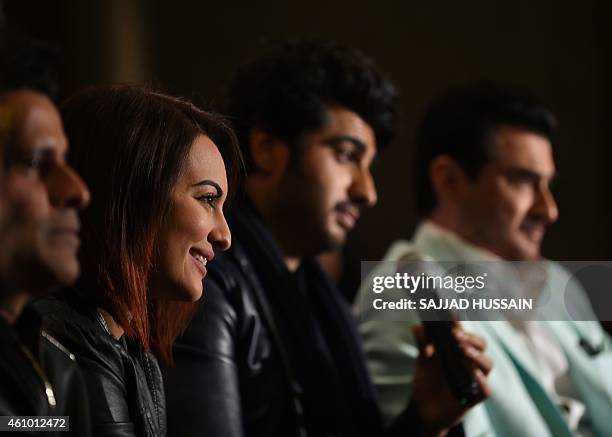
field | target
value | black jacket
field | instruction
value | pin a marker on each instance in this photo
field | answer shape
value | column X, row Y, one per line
column 124, row 382
column 271, row 353
column 39, row 377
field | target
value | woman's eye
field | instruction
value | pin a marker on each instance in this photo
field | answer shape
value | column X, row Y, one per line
column 209, row 199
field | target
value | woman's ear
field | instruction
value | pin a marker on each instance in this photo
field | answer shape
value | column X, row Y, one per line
column 269, row 154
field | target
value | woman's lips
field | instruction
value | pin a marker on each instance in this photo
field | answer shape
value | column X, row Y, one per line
column 200, row 263
column 201, row 258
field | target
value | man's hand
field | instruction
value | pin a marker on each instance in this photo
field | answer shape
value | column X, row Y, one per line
column 437, row 408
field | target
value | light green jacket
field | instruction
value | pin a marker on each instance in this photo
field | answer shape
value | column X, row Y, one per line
column 519, row 406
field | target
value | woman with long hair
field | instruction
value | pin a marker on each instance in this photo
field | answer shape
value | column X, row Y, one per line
column 160, row 171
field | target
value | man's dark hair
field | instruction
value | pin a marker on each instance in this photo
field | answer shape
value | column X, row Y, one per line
column 461, row 125
column 27, row 63
column 287, row 91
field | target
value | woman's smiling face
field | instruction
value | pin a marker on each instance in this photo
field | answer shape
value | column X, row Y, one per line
column 195, row 226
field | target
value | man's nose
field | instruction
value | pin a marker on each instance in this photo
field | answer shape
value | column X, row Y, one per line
column 363, row 188
column 545, row 205
column 66, row 188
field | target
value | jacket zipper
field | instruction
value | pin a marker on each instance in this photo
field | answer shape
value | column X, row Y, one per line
column 43, row 377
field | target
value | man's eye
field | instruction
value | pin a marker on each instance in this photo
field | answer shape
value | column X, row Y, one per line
column 346, row 155
column 36, row 164
column 522, row 180
column 39, row 161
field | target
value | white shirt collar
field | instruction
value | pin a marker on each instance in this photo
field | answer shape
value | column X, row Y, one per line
column 445, row 245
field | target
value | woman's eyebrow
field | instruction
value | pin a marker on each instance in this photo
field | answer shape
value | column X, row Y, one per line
column 212, row 184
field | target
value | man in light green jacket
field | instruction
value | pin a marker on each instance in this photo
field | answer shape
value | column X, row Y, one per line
column 484, row 166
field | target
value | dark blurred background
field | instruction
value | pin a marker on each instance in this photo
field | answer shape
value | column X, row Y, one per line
column 560, row 49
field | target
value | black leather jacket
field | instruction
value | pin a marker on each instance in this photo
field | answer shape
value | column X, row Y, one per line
column 39, row 377
column 260, row 359
column 124, row 382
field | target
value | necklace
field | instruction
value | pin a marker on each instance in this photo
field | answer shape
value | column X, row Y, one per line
column 102, row 321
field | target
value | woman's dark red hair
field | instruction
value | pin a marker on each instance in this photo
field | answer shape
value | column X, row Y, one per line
column 129, row 144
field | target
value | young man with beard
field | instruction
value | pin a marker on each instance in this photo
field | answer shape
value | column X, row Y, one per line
column 40, row 196
column 484, row 166
column 273, row 350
